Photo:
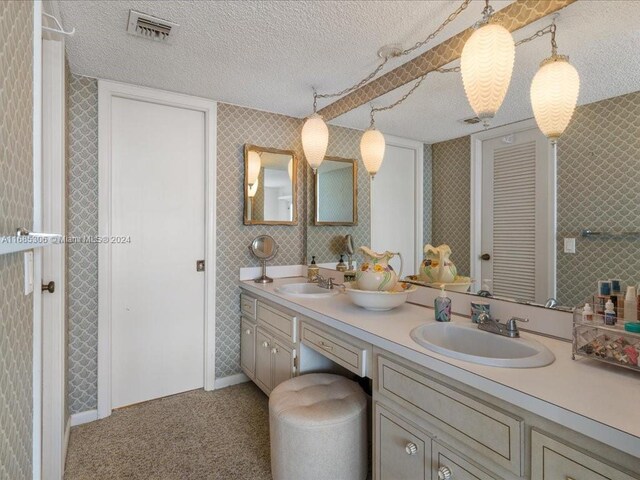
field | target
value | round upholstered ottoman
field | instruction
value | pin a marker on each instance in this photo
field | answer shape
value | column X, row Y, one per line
column 318, row 425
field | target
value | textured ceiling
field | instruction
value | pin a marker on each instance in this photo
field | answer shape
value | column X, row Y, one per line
column 268, row 54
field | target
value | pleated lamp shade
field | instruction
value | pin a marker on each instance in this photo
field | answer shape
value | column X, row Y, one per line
column 554, row 95
column 253, row 167
column 486, row 65
column 315, row 138
column 372, row 147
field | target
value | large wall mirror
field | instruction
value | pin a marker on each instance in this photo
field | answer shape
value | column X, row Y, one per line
column 524, row 219
column 336, row 192
column 270, row 194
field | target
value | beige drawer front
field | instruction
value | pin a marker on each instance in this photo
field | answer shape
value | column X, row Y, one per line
column 279, row 321
column 402, row 451
column 248, row 306
column 491, row 432
column 443, row 459
column 351, row 357
column 553, row 460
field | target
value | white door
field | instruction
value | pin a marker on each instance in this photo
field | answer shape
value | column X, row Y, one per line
column 396, row 203
column 157, row 236
column 517, row 215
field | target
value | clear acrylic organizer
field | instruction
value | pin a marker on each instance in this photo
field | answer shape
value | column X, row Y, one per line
column 611, row 344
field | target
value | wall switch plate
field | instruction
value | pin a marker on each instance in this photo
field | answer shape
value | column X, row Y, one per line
column 569, row 245
column 28, row 272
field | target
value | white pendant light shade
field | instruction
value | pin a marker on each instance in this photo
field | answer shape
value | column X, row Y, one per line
column 315, row 138
column 372, row 147
column 253, row 167
column 253, row 189
column 486, row 65
column 290, row 169
column 554, row 94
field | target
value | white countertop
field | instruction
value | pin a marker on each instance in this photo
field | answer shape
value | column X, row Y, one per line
column 597, row 400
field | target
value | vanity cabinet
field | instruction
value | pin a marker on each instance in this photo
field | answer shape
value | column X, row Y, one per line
column 268, row 343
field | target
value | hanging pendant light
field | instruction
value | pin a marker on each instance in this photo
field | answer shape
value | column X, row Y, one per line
column 554, row 92
column 253, row 167
column 372, row 147
column 315, row 138
column 486, row 65
column 290, row 169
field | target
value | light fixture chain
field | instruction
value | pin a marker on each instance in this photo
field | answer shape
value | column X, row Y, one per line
column 543, row 31
column 374, row 110
column 357, row 85
column 435, row 33
column 373, row 74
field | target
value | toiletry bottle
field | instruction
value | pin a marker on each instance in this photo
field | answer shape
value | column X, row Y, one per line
column 609, row 313
column 631, row 305
column 312, row 270
column 587, row 313
column 341, row 266
column 443, row 307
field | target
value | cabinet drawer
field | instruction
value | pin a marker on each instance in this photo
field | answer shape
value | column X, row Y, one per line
column 279, row 321
column 351, row 357
column 554, row 460
column 443, row 460
column 401, row 450
column 248, row 306
column 491, row 432
column 248, row 348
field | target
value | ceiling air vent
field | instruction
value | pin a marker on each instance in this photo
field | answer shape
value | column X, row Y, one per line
column 153, row 28
column 470, row 121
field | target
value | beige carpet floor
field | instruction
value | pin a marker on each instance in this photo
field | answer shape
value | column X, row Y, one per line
column 194, row 435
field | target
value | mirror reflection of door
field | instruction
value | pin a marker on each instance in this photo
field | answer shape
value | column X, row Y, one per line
column 517, row 256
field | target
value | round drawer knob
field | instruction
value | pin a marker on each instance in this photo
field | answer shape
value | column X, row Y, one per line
column 444, row 473
column 248, row 331
column 274, row 350
column 265, row 344
column 411, row 448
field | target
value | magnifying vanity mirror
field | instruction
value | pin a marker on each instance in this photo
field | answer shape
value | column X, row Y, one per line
column 264, row 248
column 270, row 193
column 336, row 192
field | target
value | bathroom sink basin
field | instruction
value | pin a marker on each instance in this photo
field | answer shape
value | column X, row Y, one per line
column 306, row 290
column 465, row 342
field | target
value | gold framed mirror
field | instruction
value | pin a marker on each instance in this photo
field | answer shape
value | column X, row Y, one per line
column 270, row 187
column 336, row 192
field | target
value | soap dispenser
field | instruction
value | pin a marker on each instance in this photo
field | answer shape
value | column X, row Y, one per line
column 443, row 306
column 313, row 270
column 341, row 266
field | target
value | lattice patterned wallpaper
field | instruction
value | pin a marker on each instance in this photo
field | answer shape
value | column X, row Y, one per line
column 82, row 260
column 599, row 188
column 427, row 199
column 325, row 241
column 16, row 209
column 451, row 199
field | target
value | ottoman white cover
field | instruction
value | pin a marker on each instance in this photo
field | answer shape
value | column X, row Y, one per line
column 318, row 426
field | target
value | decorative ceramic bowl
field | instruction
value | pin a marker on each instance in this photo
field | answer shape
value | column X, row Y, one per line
column 452, row 287
column 379, row 301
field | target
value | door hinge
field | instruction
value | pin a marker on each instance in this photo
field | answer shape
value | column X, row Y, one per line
column 199, row 265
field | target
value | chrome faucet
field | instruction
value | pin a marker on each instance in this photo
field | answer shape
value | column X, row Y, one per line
column 322, row 282
column 510, row 329
column 551, row 303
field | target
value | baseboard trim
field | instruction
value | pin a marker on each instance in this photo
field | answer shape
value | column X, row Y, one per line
column 65, row 444
column 84, row 417
column 223, row 382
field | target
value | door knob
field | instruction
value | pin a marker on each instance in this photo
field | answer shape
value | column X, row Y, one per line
column 485, row 256
column 49, row 287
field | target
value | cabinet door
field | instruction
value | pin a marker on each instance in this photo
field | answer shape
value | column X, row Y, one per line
column 248, row 348
column 402, row 452
column 448, row 465
column 282, row 358
column 263, row 360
